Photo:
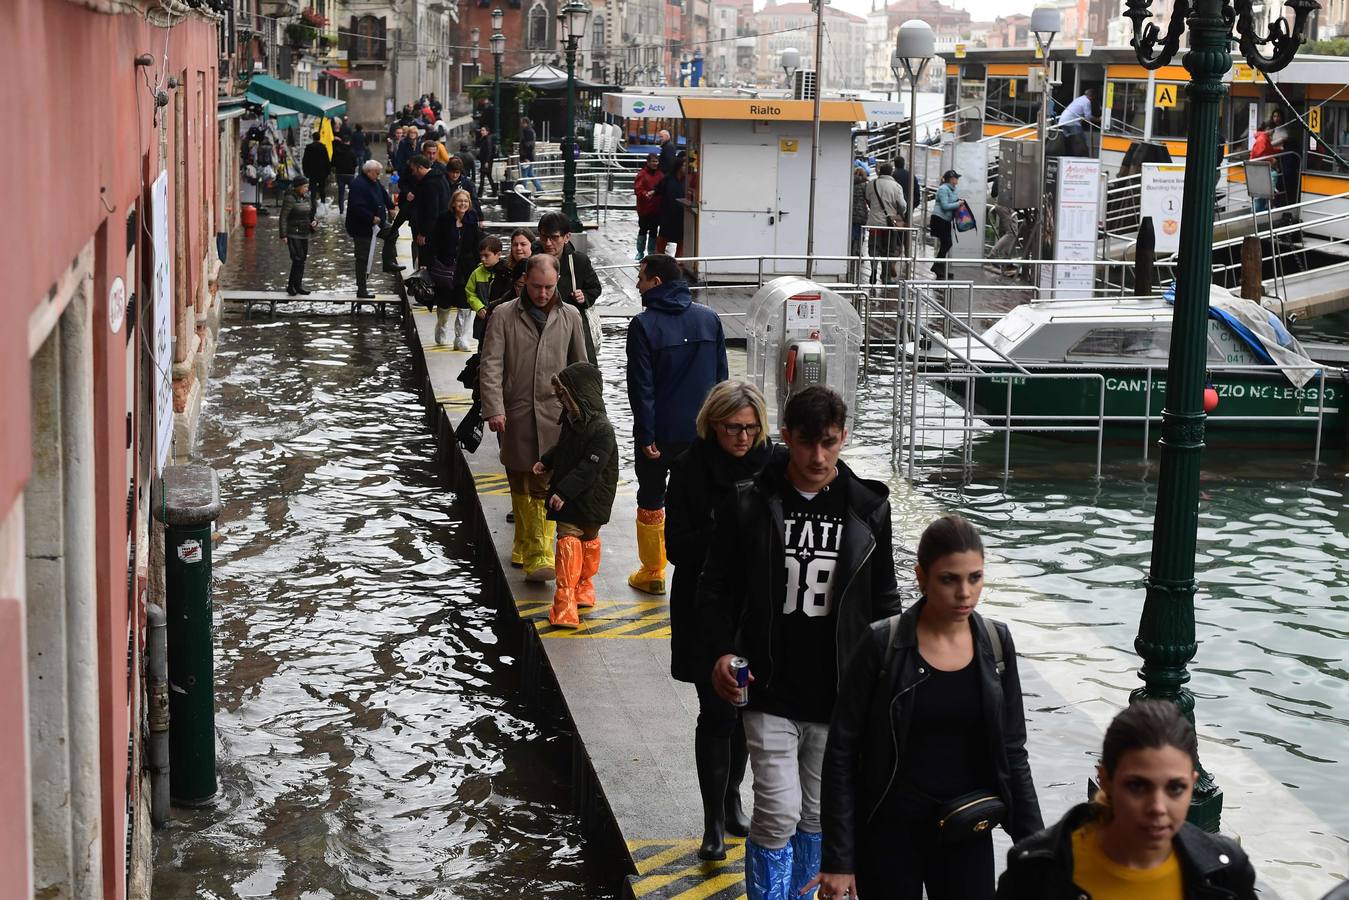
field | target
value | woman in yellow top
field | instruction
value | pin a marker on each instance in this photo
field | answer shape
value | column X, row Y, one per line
column 1132, row 842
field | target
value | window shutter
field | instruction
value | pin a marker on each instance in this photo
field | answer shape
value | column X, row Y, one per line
column 381, row 48
column 351, row 42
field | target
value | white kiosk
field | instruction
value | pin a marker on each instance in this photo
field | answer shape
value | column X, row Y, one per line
column 749, row 175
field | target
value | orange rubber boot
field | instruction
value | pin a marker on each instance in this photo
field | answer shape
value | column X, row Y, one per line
column 568, row 557
column 590, row 565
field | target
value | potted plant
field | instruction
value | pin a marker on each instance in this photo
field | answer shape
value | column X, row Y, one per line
column 300, row 35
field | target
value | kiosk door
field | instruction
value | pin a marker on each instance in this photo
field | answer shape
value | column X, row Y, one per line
column 793, row 198
column 739, row 189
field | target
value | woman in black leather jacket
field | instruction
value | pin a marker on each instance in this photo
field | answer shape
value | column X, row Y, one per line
column 928, row 719
column 1133, row 840
column 732, row 445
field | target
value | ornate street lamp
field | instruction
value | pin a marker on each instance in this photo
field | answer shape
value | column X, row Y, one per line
column 1166, row 639
column 915, row 45
column 1045, row 22
column 498, row 43
column 574, row 15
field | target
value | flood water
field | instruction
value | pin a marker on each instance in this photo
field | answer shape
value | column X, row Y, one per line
column 371, row 743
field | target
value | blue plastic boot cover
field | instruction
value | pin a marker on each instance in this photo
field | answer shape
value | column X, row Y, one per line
column 805, row 859
column 768, row 873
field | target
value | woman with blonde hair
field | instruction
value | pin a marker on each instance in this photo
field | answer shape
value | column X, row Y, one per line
column 732, row 445
column 454, row 255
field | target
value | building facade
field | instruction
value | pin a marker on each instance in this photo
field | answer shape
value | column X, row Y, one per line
column 793, row 25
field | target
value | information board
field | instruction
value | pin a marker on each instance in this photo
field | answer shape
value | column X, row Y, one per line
column 163, row 320
column 1072, row 201
column 1163, row 193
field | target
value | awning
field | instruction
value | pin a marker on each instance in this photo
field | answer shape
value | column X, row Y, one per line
column 296, row 98
column 285, row 118
column 347, row 78
column 549, row 78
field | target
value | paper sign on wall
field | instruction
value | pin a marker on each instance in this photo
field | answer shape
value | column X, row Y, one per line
column 1163, row 191
column 163, row 320
column 803, row 313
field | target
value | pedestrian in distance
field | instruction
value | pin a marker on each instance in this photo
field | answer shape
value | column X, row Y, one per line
column 1073, row 123
column 668, row 151
column 800, row 564
column 885, row 210
column 928, row 730
column 1132, row 841
column 522, row 245
column 316, row 164
column 453, row 255
column 487, row 154
column 360, row 145
column 465, row 155
column 527, row 342
column 489, row 284
column 940, row 223
column 526, row 152
column 676, row 353
column 859, row 218
column 454, row 172
column 429, row 194
column 582, row 468
column 344, row 169
column 368, row 208
column 647, row 187
column 732, row 445
column 297, row 223
column 672, row 205
column 578, row 285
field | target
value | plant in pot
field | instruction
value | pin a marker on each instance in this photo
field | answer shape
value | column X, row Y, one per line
column 300, row 35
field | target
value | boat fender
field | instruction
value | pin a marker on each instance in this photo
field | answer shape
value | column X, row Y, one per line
column 1210, row 398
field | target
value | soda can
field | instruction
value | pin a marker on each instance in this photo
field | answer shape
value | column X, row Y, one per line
column 740, row 669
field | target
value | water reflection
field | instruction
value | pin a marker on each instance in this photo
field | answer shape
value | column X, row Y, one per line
column 370, row 743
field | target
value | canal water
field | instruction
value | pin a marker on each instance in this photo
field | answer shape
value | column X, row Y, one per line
column 371, row 743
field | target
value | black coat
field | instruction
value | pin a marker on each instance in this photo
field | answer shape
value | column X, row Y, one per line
column 744, row 581
column 527, row 144
column 315, row 164
column 458, row 247
column 1040, row 867
column 584, row 461
column 586, row 281
column 700, row 479
column 870, row 728
column 344, row 159
column 431, row 198
column 366, row 200
column 486, row 146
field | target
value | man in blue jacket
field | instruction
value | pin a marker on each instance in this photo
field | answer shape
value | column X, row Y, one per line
column 368, row 205
column 676, row 354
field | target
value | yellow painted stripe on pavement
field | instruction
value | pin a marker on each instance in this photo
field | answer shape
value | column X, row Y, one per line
column 713, row 887
column 664, row 857
column 702, row 870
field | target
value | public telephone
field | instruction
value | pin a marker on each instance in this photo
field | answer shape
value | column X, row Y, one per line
column 803, row 364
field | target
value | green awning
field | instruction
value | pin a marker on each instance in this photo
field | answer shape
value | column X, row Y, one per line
column 295, row 98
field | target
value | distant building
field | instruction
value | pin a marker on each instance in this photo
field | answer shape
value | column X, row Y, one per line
column 793, row 25
column 949, row 25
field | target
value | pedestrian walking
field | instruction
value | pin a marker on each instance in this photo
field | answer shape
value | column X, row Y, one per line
column 454, row 172
column 676, row 352
column 885, row 210
column 859, row 219
column 368, row 208
column 527, row 342
column 488, row 284
column 316, row 165
column 672, row 204
column 669, row 150
column 1132, row 841
column 1073, row 121
column 452, row 256
column 800, row 564
column 428, row 196
column 940, row 223
column 732, row 446
column 582, row 468
column 928, row 727
column 526, row 151
column 297, row 223
column 487, row 154
column 647, row 188
column 522, row 245
column 579, row 286
column 359, row 145
column 344, row 170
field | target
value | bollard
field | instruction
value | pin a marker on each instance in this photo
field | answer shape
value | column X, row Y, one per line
column 1252, row 265
column 1145, row 254
column 187, row 500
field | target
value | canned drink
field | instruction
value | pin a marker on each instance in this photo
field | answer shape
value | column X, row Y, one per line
column 740, row 669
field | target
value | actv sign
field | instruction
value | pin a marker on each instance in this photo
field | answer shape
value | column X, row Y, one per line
column 651, row 107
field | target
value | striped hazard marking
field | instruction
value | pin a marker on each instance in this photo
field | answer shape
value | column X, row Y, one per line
column 671, row 870
column 491, row 483
column 608, row 619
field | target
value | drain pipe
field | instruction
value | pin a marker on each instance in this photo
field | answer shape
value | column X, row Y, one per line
column 158, row 651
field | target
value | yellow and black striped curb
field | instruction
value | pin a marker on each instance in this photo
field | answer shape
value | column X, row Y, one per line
column 633, row 619
column 671, row 870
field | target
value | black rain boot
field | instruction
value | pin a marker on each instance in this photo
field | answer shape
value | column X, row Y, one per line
column 737, row 823
column 712, row 756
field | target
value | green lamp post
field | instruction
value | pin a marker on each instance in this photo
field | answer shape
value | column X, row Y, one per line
column 574, row 15
column 1166, row 639
column 498, row 44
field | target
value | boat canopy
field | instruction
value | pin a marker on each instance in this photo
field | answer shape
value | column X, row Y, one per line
column 1261, row 331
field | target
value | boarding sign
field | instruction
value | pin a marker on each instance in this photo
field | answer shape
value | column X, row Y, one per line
column 163, row 320
column 1073, row 185
column 1163, row 194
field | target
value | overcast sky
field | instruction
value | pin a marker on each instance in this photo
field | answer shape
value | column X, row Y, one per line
column 980, row 10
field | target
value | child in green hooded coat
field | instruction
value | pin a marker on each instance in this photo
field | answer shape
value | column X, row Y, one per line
column 584, row 467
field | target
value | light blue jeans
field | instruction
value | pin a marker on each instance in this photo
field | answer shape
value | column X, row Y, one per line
column 786, row 756
column 527, row 171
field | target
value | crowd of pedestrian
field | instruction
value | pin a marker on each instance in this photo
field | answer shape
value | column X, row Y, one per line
column 660, row 186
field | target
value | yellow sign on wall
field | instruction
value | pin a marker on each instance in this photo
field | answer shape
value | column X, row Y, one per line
column 1109, row 94
column 960, row 51
column 787, row 145
column 1011, row 88
column 1166, row 95
column 1314, row 119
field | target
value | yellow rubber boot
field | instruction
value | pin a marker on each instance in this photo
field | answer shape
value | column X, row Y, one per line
column 590, row 565
column 538, row 549
column 518, row 542
column 650, row 578
column 569, row 561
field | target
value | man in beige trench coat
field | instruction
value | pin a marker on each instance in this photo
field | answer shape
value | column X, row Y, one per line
column 527, row 342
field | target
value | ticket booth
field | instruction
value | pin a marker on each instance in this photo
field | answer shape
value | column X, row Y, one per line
column 749, row 177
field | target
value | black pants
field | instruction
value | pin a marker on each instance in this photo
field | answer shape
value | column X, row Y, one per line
column 320, row 188
column 299, row 252
column 716, row 717
column 647, row 226
column 343, row 184
column 652, row 474
column 882, row 245
column 941, row 230
column 485, row 176
column 896, row 860
column 361, row 251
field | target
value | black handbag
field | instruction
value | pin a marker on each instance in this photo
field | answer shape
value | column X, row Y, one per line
column 969, row 816
column 469, row 432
